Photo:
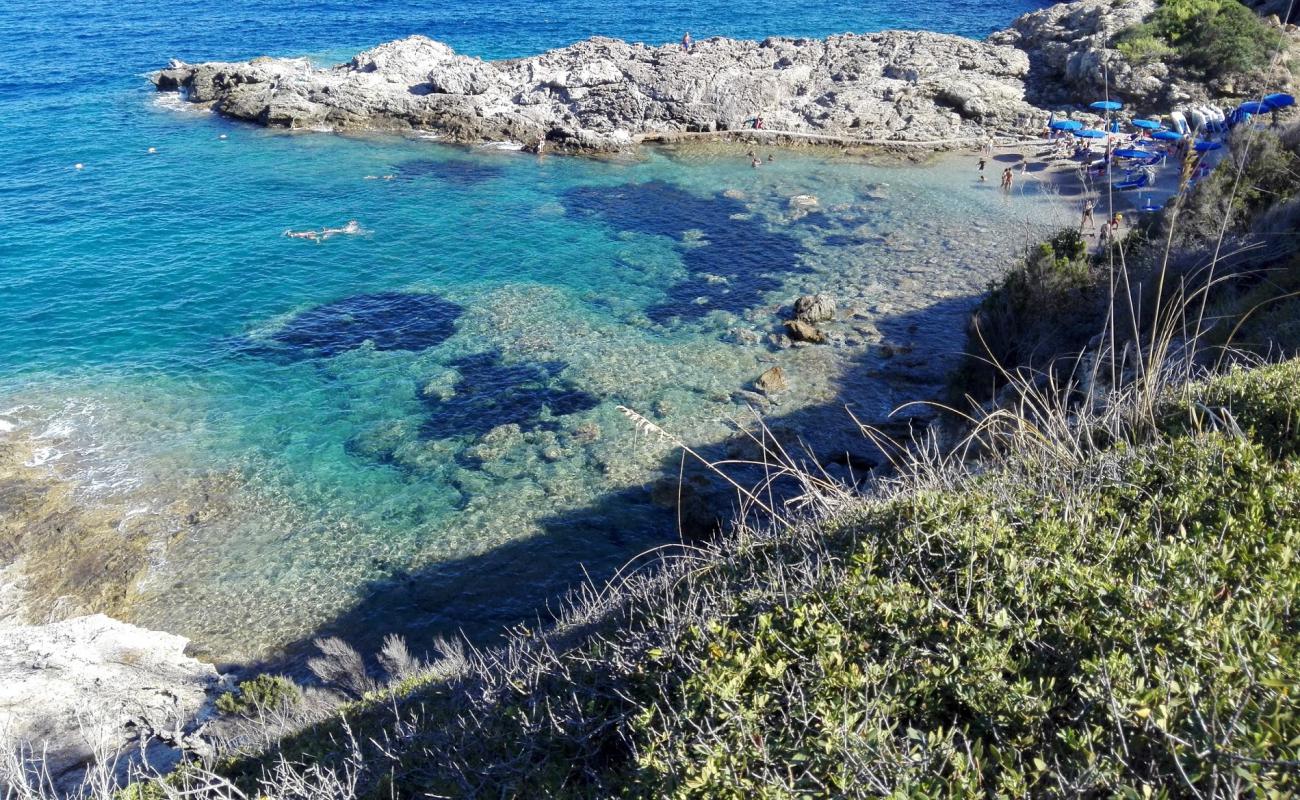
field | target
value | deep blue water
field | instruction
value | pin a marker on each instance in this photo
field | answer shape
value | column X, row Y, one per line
column 163, row 343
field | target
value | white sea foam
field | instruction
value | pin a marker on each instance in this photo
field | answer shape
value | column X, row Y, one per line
column 6, row 426
column 512, row 146
column 175, row 101
column 42, row 456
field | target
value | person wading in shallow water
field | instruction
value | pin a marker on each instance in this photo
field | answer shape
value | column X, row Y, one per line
column 982, row 178
column 1007, row 179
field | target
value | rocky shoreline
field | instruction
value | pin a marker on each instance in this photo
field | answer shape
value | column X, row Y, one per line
column 605, row 94
column 892, row 88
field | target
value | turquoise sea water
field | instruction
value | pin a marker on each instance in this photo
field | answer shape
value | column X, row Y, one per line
column 321, row 425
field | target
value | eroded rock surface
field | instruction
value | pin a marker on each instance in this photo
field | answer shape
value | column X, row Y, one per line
column 95, row 686
column 1070, row 59
column 602, row 94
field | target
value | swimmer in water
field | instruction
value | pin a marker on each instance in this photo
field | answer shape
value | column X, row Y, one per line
column 770, row 158
column 352, row 227
column 756, row 163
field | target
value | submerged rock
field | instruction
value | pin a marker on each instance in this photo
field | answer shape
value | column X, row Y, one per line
column 732, row 264
column 492, row 398
column 384, row 320
column 801, row 331
column 772, row 381
column 94, row 679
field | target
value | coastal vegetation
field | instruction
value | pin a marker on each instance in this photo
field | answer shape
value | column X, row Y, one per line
column 1083, row 585
column 1211, row 38
column 1064, row 619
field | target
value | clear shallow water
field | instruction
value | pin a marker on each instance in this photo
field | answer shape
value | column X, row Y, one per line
column 336, row 444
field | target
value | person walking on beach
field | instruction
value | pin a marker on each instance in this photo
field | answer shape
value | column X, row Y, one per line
column 687, row 42
column 1087, row 215
column 982, row 178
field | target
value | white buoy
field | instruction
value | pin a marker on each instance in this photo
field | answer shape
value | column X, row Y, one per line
column 78, row 165
column 153, row 149
column 222, row 136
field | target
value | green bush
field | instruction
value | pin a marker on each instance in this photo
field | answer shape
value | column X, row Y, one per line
column 1134, row 634
column 261, row 694
column 1212, row 37
column 1043, row 307
column 1144, row 47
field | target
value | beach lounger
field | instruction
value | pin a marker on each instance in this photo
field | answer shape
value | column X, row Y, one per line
column 1136, row 182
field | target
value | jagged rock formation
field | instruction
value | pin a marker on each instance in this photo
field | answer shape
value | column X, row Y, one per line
column 602, row 94
column 1070, row 59
column 95, row 684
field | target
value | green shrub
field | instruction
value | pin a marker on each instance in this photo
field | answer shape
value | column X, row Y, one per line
column 1144, row 47
column 1212, row 37
column 261, row 694
column 1264, row 402
column 1134, row 634
column 1043, row 307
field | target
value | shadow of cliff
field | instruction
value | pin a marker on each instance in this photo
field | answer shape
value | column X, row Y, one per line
column 480, row 596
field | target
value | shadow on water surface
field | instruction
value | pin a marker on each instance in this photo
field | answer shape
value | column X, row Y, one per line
column 522, row 581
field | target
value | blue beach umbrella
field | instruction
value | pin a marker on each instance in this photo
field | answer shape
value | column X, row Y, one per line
column 1066, row 125
column 1279, row 100
column 1202, row 147
column 1129, row 152
column 1254, row 107
column 1090, row 133
column 1147, row 124
column 1167, row 136
column 1106, row 105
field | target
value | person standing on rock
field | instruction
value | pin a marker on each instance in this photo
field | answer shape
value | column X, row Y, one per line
column 687, row 42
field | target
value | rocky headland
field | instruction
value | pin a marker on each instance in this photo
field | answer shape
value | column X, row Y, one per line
column 605, row 94
column 886, row 88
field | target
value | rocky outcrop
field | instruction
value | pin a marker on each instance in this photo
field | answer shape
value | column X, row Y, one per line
column 603, row 94
column 1070, row 57
column 905, row 87
column 814, row 308
column 93, row 686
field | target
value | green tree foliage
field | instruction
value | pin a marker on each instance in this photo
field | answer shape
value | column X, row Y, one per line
column 1212, row 37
